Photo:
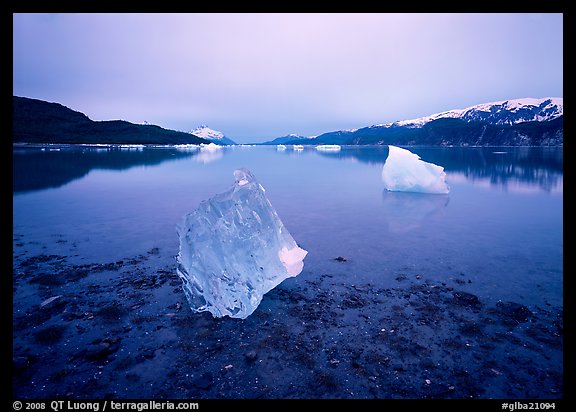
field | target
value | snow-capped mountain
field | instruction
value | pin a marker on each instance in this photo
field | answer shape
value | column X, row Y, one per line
column 518, row 122
column 215, row 136
column 500, row 113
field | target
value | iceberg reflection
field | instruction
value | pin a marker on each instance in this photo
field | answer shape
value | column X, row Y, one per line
column 407, row 211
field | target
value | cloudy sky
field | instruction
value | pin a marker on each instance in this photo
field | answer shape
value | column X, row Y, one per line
column 260, row 76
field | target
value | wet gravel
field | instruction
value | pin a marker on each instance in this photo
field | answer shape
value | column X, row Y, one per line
column 123, row 330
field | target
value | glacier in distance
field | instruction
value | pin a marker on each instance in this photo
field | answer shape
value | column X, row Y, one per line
column 234, row 249
column 403, row 171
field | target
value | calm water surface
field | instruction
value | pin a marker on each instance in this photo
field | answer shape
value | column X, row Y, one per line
column 500, row 227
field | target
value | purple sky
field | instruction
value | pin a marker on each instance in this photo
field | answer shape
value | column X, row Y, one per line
column 260, row 76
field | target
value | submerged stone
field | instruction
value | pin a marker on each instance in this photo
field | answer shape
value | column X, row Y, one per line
column 514, row 311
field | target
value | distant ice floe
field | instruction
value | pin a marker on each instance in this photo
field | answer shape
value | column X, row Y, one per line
column 280, row 147
column 298, row 147
column 403, row 171
column 187, row 147
column 329, row 147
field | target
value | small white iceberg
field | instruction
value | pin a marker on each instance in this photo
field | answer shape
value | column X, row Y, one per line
column 403, row 171
column 210, row 146
column 298, row 147
column 280, row 147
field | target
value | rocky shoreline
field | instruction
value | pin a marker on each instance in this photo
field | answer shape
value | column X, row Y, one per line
column 123, row 330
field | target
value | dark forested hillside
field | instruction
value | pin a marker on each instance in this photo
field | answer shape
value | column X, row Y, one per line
column 451, row 132
column 37, row 121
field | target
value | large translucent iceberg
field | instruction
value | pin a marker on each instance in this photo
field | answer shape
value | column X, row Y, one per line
column 234, row 249
column 403, row 171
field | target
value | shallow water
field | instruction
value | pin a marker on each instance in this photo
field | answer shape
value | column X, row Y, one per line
column 501, row 225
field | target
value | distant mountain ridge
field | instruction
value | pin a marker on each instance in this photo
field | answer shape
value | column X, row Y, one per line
column 38, row 121
column 505, row 112
column 288, row 138
column 518, row 122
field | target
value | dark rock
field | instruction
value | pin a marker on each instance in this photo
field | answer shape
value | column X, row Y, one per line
column 251, row 356
column 205, row 381
column 50, row 334
column 47, row 279
column 106, row 266
column 74, row 274
column 466, row 299
column 21, row 363
column 340, row 259
column 352, row 301
column 112, row 312
column 325, row 381
column 35, row 260
column 146, row 354
column 514, row 311
column 99, row 350
column 470, row 328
